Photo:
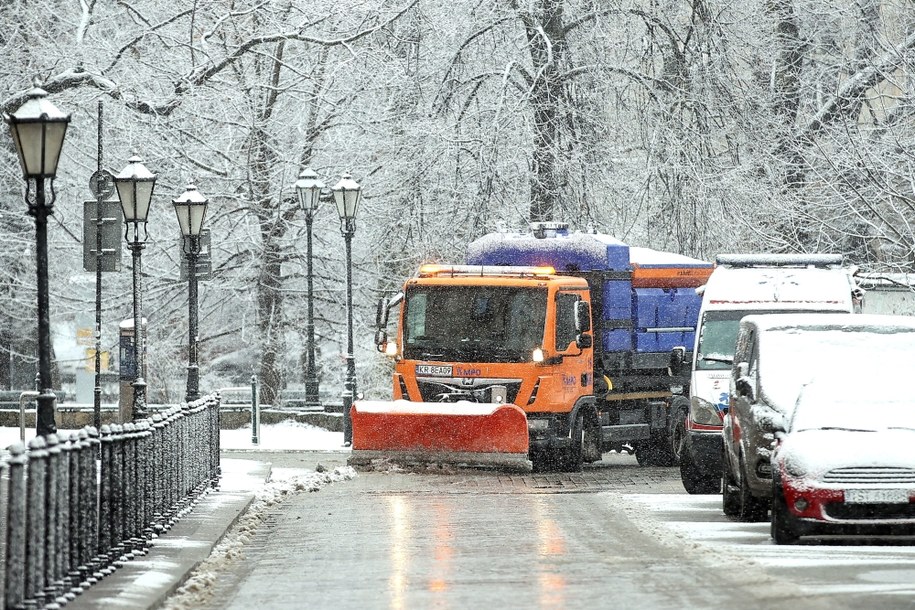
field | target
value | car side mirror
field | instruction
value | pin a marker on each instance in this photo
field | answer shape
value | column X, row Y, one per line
column 772, row 423
column 745, row 388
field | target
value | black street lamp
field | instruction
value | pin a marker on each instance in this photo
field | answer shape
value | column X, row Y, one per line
column 135, row 186
column 191, row 208
column 308, row 189
column 347, row 194
column 38, row 129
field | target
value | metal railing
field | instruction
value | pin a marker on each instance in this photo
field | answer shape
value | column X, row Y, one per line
column 72, row 519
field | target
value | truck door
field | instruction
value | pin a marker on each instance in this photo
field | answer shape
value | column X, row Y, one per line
column 574, row 375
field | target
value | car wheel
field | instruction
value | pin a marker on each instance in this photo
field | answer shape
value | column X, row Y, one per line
column 730, row 498
column 783, row 529
column 751, row 509
column 694, row 480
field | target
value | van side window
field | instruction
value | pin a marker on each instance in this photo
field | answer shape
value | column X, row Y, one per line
column 565, row 319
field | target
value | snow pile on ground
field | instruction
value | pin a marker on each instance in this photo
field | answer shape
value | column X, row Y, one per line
column 286, row 435
column 198, row 587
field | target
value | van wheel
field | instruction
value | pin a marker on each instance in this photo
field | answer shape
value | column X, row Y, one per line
column 695, row 481
column 678, row 436
column 751, row 509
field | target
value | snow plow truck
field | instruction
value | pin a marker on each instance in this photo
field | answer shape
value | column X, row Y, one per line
column 544, row 350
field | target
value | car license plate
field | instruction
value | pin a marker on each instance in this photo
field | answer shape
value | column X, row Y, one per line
column 876, row 496
column 434, row 370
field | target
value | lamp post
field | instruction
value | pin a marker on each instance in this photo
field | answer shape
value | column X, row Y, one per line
column 135, row 186
column 347, row 194
column 308, row 189
column 38, row 129
column 191, row 208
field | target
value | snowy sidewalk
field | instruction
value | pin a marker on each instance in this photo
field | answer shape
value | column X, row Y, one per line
column 147, row 581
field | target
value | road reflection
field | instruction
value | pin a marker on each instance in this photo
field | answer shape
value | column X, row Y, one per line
column 399, row 512
column 551, row 545
column 442, row 548
column 443, row 551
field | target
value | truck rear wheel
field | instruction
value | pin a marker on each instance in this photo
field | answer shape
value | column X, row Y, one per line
column 656, row 451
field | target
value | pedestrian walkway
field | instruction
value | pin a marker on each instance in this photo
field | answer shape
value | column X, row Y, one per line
column 147, row 581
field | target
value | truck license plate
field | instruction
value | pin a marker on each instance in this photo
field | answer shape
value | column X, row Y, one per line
column 434, row 370
column 876, row 496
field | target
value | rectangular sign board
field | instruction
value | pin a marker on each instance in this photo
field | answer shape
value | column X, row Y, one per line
column 111, row 235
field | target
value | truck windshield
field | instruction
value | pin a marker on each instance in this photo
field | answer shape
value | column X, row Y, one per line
column 473, row 323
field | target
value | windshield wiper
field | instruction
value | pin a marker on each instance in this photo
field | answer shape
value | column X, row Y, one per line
column 843, row 428
column 718, row 359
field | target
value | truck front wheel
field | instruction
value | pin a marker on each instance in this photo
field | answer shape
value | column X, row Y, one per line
column 573, row 458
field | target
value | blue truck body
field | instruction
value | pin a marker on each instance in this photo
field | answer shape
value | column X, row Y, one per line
column 644, row 301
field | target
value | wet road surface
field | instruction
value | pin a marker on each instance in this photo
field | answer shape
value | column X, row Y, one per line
column 470, row 539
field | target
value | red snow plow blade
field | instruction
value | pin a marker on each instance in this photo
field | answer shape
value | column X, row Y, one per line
column 479, row 434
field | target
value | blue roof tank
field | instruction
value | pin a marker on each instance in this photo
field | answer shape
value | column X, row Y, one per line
column 551, row 245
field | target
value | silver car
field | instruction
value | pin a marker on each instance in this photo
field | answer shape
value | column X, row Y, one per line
column 775, row 357
column 820, row 486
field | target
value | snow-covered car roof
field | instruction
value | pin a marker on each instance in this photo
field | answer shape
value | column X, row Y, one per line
column 813, row 322
column 796, row 349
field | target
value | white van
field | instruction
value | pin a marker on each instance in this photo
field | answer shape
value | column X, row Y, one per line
column 744, row 284
column 888, row 293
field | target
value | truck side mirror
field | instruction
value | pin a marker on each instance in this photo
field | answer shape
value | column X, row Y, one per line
column 582, row 316
column 584, row 340
column 677, row 356
column 381, row 339
column 381, row 313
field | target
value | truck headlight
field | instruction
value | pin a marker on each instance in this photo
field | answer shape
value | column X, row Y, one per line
column 705, row 414
column 390, row 348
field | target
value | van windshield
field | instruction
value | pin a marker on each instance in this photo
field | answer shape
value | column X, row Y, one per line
column 718, row 335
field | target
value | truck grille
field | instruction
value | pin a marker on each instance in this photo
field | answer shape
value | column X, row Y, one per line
column 870, row 474
column 433, row 390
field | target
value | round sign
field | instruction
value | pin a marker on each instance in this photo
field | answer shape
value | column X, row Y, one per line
column 101, row 183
